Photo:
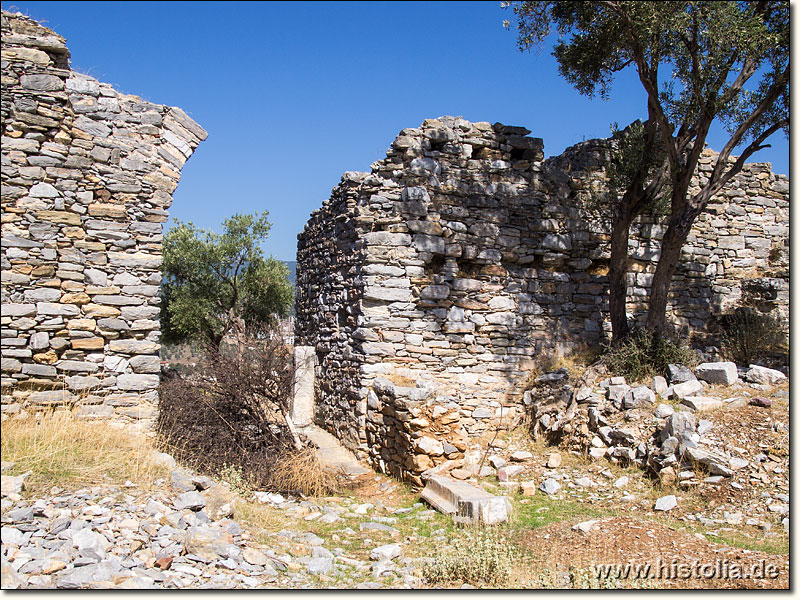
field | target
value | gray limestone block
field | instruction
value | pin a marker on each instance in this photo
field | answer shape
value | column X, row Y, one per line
column 42, row 83
column 135, row 383
column 717, row 372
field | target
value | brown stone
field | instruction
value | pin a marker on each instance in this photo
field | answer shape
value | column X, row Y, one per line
column 111, row 290
column 75, row 233
column 46, row 358
column 113, row 211
column 79, row 298
column 43, row 271
column 82, row 324
column 93, row 343
column 667, row 476
column 98, row 310
column 59, row 216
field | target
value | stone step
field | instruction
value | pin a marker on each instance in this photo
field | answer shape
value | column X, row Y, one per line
column 468, row 505
column 331, row 453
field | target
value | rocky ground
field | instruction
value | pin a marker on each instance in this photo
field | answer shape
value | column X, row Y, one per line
column 571, row 511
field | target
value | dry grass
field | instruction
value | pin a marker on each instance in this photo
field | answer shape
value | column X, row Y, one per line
column 301, row 471
column 62, row 450
column 261, row 518
column 575, row 362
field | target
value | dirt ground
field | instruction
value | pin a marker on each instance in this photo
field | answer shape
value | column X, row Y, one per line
column 626, row 540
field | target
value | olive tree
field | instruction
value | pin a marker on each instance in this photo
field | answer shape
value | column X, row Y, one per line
column 699, row 63
column 214, row 282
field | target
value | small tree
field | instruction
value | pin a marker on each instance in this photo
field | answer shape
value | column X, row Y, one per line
column 724, row 61
column 215, row 283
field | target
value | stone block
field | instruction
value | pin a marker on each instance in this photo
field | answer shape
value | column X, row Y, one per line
column 468, row 505
column 302, row 407
column 717, row 372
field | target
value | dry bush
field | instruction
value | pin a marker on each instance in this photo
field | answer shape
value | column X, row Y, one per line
column 229, row 414
column 301, row 471
column 62, row 450
column 643, row 355
column 748, row 336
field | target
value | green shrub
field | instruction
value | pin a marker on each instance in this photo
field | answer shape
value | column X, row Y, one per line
column 644, row 355
column 481, row 557
column 747, row 336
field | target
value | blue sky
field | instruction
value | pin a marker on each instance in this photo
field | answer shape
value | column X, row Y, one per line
column 295, row 93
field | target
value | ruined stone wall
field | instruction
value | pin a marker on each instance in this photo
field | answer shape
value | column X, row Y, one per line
column 87, row 177
column 463, row 257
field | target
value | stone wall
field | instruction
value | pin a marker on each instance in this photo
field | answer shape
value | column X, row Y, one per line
column 87, row 177
column 463, row 257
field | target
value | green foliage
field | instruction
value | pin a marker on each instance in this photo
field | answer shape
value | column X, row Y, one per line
column 476, row 556
column 748, row 336
column 644, row 354
column 700, row 64
column 211, row 280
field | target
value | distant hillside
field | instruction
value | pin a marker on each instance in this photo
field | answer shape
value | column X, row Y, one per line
column 292, row 264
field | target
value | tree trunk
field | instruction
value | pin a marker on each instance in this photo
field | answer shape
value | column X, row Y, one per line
column 618, row 270
column 671, row 246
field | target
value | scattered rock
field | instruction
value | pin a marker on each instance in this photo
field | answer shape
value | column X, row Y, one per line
column 724, row 373
column 385, row 552
column 521, row 456
column 584, row 526
column 550, row 486
column 764, row 376
column 666, row 503
column 677, row 374
column 554, row 460
column 190, row 500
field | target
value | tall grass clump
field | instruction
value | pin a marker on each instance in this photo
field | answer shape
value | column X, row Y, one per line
column 301, row 471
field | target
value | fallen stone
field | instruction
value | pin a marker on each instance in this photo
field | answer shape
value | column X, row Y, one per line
column 716, row 464
column 761, row 402
column 190, row 500
column 528, row 488
column 219, row 502
column 521, row 456
column 505, row 473
column 659, row 385
column 553, row 460
column 663, row 411
column 385, row 552
column 686, row 389
column 320, row 566
column 550, row 486
column 467, row 504
column 702, row 403
column 585, row 526
column 679, row 374
column 206, row 542
column 13, row 484
column 638, row 397
column 763, row 375
column 666, row 503
column 704, row 426
column 717, row 372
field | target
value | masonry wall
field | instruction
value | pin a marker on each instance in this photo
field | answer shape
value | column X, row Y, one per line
column 463, row 257
column 87, row 177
